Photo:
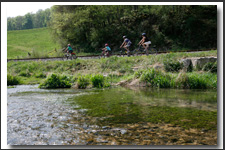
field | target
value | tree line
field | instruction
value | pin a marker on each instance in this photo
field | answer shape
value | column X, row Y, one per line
column 38, row 20
column 89, row 27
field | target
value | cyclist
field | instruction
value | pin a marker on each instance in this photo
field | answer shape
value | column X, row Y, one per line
column 106, row 50
column 69, row 49
column 126, row 44
column 70, row 52
column 145, row 42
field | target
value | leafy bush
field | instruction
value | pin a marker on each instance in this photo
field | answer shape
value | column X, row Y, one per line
column 212, row 67
column 56, row 81
column 13, row 80
column 97, row 81
column 156, row 78
column 83, row 82
column 172, row 66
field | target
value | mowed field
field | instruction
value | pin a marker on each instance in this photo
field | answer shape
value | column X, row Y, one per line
column 35, row 41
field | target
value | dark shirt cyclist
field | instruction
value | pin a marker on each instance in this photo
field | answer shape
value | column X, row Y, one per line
column 145, row 42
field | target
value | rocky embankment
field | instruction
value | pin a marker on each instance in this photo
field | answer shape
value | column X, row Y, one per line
column 195, row 63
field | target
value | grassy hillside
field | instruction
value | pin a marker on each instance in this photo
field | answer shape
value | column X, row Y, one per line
column 35, row 41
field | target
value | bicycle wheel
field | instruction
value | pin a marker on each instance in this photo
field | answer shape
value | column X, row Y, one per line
column 121, row 53
column 66, row 56
column 144, row 51
column 134, row 53
column 152, row 50
column 138, row 52
column 141, row 51
column 71, row 56
column 74, row 57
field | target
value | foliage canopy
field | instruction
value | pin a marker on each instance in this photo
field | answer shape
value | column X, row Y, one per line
column 89, row 27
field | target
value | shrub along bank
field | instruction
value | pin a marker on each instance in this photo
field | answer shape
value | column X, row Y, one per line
column 194, row 80
column 104, row 72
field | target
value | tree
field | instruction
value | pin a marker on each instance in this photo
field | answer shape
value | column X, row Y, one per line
column 28, row 22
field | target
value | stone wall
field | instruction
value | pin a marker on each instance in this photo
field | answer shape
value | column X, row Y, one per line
column 197, row 62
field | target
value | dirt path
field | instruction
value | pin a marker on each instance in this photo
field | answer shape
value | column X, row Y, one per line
column 88, row 57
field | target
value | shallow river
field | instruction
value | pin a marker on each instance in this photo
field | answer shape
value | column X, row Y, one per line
column 115, row 116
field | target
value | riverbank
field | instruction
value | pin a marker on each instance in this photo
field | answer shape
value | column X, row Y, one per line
column 149, row 71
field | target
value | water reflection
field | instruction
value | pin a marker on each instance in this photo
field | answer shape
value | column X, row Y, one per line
column 199, row 99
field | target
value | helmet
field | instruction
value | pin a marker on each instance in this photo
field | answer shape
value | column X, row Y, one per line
column 124, row 36
column 68, row 44
column 143, row 33
column 106, row 44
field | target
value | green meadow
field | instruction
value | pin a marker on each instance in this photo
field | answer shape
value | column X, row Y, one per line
column 37, row 42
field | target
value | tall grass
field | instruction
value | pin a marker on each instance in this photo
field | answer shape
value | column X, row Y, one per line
column 202, row 81
column 38, row 54
column 181, row 81
column 212, row 67
column 194, row 80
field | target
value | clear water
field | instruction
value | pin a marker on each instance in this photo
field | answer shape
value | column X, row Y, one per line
column 114, row 116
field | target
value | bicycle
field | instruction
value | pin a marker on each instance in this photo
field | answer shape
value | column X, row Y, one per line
column 124, row 52
column 105, row 54
column 141, row 50
column 70, row 56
